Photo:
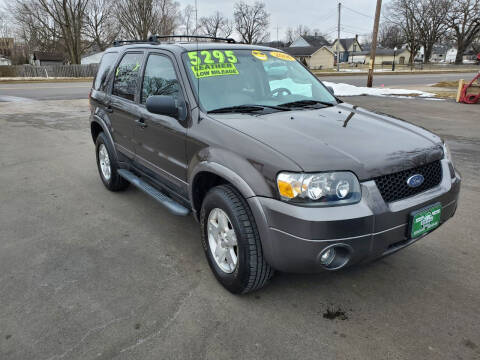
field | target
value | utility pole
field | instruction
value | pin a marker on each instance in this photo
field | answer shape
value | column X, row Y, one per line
column 277, row 34
column 338, row 37
column 373, row 50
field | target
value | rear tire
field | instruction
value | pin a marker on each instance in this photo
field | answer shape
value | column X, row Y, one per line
column 107, row 166
column 250, row 271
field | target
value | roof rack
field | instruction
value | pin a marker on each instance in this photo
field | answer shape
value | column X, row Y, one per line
column 155, row 38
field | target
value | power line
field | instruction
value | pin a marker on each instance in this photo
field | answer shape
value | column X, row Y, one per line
column 358, row 12
column 354, row 28
column 355, row 33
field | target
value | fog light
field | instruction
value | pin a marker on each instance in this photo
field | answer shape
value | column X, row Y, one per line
column 327, row 257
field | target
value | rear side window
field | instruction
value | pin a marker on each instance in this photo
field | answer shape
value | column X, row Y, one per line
column 126, row 76
column 104, row 69
column 160, row 78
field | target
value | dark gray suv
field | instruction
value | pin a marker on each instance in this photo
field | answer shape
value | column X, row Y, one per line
column 279, row 172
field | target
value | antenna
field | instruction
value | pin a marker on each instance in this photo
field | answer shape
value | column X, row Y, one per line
column 198, row 79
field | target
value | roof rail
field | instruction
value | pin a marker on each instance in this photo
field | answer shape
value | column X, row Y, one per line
column 155, row 38
column 123, row 42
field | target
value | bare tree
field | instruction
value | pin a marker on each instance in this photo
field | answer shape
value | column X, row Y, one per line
column 189, row 26
column 431, row 19
column 168, row 17
column 289, row 35
column 390, row 35
column 100, row 26
column 5, row 25
column 69, row 16
column 140, row 18
column 55, row 22
column 216, row 25
column 251, row 22
column 31, row 30
column 464, row 23
column 476, row 44
column 302, row 30
column 401, row 13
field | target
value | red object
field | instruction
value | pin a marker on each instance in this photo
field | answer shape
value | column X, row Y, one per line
column 470, row 98
column 478, row 56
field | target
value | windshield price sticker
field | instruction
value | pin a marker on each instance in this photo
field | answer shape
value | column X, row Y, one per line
column 220, row 69
column 212, row 57
column 282, row 56
column 209, row 63
column 260, row 55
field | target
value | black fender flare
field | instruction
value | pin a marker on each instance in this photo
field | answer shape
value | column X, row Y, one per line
column 223, row 172
column 106, row 130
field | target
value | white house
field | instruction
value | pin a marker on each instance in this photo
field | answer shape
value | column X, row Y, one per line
column 451, row 55
column 382, row 57
column 4, row 61
column 314, row 57
column 92, row 58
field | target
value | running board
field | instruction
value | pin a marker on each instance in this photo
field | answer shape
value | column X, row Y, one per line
column 171, row 205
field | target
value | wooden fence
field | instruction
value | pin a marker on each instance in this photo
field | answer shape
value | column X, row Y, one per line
column 72, row 71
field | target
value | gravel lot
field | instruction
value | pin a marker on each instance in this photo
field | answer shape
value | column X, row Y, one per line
column 87, row 274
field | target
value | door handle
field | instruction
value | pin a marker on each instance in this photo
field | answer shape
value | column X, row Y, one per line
column 141, row 123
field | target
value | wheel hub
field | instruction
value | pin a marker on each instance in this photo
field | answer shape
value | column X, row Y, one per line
column 222, row 240
column 104, row 161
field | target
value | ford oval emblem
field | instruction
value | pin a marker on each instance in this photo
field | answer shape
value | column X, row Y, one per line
column 415, row 180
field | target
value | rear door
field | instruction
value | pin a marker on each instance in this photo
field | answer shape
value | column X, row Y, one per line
column 123, row 105
column 160, row 138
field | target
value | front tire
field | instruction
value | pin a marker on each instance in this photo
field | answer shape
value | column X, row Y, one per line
column 231, row 241
column 107, row 166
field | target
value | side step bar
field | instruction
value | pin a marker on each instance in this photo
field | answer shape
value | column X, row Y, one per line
column 171, row 205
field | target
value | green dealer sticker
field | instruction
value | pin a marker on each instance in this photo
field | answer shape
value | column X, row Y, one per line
column 207, row 70
column 213, row 63
column 425, row 220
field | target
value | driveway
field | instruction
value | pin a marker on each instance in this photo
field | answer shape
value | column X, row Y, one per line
column 90, row 274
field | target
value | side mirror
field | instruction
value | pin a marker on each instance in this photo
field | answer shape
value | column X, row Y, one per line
column 162, row 105
column 331, row 90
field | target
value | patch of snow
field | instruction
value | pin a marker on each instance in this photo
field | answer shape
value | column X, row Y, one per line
column 341, row 89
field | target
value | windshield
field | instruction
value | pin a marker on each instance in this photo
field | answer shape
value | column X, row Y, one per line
column 232, row 78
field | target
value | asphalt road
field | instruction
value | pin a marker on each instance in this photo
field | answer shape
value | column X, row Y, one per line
column 44, row 91
column 79, row 90
column 90, row 274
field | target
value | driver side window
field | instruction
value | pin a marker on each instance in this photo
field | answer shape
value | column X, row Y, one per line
column 159, row 78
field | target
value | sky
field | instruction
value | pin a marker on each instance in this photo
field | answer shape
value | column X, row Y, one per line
column 315, row 14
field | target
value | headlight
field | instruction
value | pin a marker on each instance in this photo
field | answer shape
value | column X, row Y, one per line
column 322, row 189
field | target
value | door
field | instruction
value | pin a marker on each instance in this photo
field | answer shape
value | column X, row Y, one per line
column 160, row 138
column 122, row 107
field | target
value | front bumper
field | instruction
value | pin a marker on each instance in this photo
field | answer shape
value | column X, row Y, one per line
column 293, row 237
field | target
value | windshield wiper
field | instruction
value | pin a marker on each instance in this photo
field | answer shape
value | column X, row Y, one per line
column 246, row 109
column 306, row 103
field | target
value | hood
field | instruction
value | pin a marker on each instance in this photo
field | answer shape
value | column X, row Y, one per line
column 342, row 137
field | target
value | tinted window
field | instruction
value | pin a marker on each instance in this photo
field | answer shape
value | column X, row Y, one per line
column 105, row 65
column 126, row 75
column 159, row 78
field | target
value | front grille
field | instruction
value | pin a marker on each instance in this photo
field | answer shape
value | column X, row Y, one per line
column 394, row 187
